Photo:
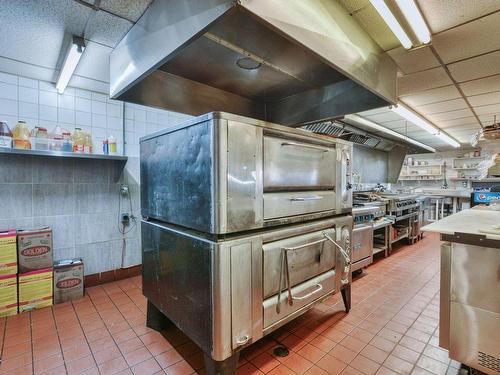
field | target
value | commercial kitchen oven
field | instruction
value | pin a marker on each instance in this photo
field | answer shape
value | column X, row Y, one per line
column 246, row 225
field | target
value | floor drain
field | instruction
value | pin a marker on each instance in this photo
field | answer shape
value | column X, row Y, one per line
column 280, row 351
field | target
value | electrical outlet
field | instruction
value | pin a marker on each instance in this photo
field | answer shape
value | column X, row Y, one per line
column 125, row 219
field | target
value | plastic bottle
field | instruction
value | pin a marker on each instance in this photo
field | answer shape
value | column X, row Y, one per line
column 5, row 135
column 22, row 136
column 67, row 144
column 112, row 145
column 87, row 145
column 78, row 141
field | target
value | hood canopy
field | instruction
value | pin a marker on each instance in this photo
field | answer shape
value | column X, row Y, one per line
column 285, row 61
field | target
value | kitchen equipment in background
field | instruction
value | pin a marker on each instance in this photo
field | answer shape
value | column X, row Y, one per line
column 21, row 136
column 8, row 252
column 35, row 289
column 34, row 248
column 68, row 280
column 254, row 222
column 8, row 295
column 5, row 135
column 362, row 236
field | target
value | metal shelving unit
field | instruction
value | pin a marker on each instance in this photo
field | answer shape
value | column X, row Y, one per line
column 61, row 154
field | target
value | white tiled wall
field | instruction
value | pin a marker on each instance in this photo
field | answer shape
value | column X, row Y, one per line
column 39, row 104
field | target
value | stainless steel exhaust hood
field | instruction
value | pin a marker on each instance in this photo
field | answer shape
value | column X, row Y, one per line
column 285, row 61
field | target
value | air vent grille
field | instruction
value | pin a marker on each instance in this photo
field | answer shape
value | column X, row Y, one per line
column 488, row 361
column 335, row 129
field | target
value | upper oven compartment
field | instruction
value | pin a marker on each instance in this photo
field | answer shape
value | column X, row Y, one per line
column 291, row 165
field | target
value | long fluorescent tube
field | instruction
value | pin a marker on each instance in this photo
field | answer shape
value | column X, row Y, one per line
column 423, row 124
column 375, row 126
column 445, row 137
column 70, row 62
column 392, row 22
column 415, row 19
column 414, row 118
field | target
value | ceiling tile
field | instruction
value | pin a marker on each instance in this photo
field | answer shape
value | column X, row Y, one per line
column 474, row 38
column 484, row 99
column 463, row 121
column 428, row 79
column 488, row 119
column 446, row 106
column 414, row 60
column 129, row 9
column 94, row 62
column 432, row 96
column 450, row 115
column 477, row 67
column 384, row 117
column 107, row 29
column 481, row 86
column 441, row 15
column 488, row 109
column 34, row 31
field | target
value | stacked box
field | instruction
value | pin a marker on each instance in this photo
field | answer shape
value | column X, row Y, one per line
column 35, row 289
column 34, row 249
column 8, row 295
column 68, row 280
column 8, row 252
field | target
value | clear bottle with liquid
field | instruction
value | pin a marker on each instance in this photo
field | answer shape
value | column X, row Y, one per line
column 78, row 141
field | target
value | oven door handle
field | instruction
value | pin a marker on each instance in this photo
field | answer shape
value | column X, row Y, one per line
column 284, row 269
column 318, row 289
column 344, row 253
column 303, row 199
column 322, row 149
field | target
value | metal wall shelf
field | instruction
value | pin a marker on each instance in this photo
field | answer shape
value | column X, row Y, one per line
column 61, row 154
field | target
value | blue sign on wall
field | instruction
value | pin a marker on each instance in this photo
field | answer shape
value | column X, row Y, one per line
column 486, row 197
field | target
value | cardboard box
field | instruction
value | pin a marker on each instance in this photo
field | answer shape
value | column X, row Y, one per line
column 68, row 280
column 35, row 289
column 34, row 249
column 8, row 252
column 8, row 295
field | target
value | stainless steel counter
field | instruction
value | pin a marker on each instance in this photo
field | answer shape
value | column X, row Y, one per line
column 469, row 324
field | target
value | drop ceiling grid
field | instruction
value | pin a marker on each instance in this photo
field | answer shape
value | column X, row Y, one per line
column 466, row 88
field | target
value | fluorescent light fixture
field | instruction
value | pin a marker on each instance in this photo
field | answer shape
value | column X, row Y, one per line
column 445, row 137
column 414, row 118
column 70, row 62
column 363, row 121
column 392, row 22
column 415, row 19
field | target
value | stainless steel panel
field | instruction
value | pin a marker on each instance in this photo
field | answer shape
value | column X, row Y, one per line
column 475, row 337
column 241, row 294
column 475, row 279
column 290, row 164
column 244, row 176
column 277, row 205
column 444, row 296
column 314, row 288
column 177, row 174
column 362, row 244
column 316, row 255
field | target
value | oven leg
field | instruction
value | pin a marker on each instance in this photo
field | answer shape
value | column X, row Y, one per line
column 346, row 297
column 225, row 367
column 155, row 319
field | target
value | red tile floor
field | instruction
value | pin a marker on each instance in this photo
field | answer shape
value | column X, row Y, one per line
column 391, row 329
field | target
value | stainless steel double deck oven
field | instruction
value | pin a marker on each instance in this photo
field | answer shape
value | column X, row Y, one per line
column 246, row 225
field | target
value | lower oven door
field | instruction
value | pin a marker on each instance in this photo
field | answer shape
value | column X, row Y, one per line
column 302, row 268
